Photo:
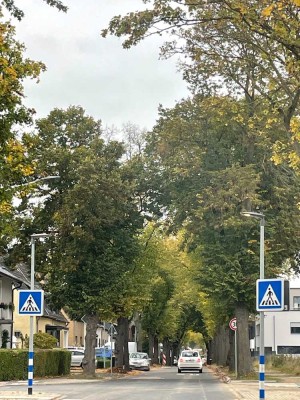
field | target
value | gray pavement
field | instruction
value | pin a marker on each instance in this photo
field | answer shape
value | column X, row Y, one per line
column 242, row 389
column 273, row 390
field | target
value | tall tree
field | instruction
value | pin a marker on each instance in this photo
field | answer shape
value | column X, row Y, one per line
column 246, row 46
column 15, row 165
column 87, row 264
column 213, row 169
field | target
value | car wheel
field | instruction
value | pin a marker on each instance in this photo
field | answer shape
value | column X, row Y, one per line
column 200, row 371
column 179, row 370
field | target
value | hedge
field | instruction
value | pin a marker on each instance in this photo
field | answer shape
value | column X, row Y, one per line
column 14, row 363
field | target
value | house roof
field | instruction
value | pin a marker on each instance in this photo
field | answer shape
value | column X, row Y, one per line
column 22, row 273
column 5, row 272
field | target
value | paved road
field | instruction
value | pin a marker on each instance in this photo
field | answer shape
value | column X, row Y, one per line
column 160, row 384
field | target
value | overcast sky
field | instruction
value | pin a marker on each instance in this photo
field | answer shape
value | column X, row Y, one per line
column 110, row 83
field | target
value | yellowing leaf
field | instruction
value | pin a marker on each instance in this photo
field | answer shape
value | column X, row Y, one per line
column 268, row 10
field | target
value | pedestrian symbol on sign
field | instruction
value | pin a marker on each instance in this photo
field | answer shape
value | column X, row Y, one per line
column 269, row 298
column 31, row 302
column 30, row 305
column 269, row 294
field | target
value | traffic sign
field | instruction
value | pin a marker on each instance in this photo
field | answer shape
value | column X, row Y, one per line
column 270, row 294
column 232, row 324
column 31, row 302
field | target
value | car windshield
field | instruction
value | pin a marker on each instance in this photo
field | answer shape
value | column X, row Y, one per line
column 190, row 354
column 139, row 355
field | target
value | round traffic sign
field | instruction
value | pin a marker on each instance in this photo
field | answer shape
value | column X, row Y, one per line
column 232, row 324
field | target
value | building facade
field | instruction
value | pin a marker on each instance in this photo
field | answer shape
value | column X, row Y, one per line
column 282, row 328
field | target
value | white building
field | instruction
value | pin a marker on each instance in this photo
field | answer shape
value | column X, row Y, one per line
column 282, row 328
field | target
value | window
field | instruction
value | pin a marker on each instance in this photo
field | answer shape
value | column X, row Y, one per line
column 258, row 330
column 296, row 302
column 295, row 327
column 288, row 349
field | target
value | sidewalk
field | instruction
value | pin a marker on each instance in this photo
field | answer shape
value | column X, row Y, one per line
column 273, row 390
column 18, row 395
column 279, row 386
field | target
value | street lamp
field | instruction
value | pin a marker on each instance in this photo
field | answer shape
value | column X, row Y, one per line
column 30, row 355
column 45, row 178
column 32, row 268
column 261, row 218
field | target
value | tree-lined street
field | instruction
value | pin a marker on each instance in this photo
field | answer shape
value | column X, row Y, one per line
column 159, row 384
column 149, row 229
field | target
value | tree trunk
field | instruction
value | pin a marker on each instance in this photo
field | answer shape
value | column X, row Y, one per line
column 151, row 346
column 220, row 346
column 155, row 359
column 88, row 361
column 244, row 366
column 122, row 355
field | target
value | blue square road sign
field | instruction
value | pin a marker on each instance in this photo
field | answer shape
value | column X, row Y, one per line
column 270, row 294
column 31, row 302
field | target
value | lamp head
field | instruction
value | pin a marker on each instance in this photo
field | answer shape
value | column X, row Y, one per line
column 253, row 214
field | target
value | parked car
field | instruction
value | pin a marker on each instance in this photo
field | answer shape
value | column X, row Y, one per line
column 77, row 357
column 75, row 348
column 190, row 360
column 139, row 361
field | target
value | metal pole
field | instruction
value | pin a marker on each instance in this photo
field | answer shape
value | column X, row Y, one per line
column 111, row 347
column 262, row 316
column 235, row 354
column 30, row 353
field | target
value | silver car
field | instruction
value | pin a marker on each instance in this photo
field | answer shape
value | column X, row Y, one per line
column 139, row 361
column 190, row 360
column 76, row 357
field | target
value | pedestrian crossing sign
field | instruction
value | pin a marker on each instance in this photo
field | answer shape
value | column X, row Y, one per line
column 31, row 302
column 270, row 294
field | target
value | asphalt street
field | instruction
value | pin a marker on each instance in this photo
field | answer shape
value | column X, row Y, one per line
column 157, row 384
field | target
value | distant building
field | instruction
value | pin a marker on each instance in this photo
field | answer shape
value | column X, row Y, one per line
column 281, row 329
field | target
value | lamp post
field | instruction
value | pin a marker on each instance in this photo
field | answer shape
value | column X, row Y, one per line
column 31, row 330
column 261, row 218
column 32, row 267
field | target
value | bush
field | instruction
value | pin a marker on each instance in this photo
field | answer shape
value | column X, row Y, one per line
column 42, row 340
column 14, row 363
column 286, row 363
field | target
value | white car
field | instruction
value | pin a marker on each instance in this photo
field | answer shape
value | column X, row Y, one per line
column 190, row 360
column 77, row 357
column 139, row 361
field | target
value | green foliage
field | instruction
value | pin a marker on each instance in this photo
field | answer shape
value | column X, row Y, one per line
column 14, row 363
column 247, row 47
column 4, row 338
column 42, row 340
column 88, row 265
column 285, row 364
column 15, row 165
column 19, row 14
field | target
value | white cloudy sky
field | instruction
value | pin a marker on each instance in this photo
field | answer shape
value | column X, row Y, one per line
column 110, row 83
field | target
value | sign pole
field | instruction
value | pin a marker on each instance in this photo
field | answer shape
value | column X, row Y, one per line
column 30, row 354
column 235, row 354
column 233, row 327
column 32, row 310
column 111, row 347
column 262, row 315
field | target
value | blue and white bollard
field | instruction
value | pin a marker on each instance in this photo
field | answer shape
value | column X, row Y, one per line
column 30, row 372
column 261, row 377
